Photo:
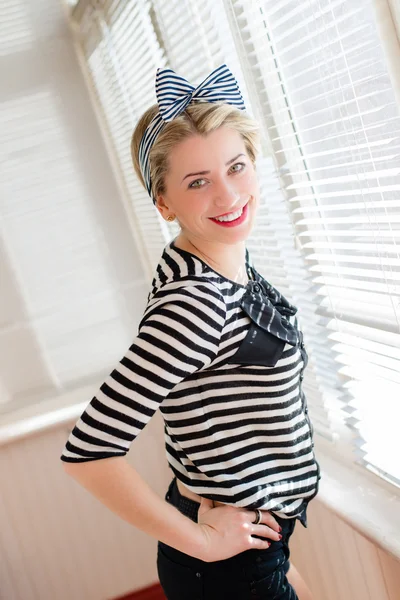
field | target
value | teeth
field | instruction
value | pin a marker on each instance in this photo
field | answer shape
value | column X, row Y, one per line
column 230, row 217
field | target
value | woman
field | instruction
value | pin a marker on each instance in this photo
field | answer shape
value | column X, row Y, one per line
column 220, row 353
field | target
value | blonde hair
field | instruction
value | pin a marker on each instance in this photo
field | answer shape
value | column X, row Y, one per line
column 199, row 118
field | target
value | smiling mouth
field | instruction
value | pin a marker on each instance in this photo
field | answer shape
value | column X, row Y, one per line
column 232, row 212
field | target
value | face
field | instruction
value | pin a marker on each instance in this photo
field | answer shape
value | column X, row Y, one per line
column 209, row 177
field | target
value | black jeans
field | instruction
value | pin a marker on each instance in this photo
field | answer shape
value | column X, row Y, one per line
column 251, row 575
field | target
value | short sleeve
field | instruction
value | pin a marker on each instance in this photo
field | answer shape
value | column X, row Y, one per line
column 178, row 336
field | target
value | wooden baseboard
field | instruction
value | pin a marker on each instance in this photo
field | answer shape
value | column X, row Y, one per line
column 153, row 592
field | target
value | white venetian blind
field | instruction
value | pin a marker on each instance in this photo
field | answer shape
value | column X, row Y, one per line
column 120, row 53
column 331, row 113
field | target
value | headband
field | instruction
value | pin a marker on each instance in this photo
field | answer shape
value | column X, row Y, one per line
column 174, row 93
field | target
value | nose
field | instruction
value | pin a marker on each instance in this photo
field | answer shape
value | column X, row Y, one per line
column 226, row 195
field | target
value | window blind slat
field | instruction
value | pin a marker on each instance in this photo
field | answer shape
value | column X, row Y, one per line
column 334, row 127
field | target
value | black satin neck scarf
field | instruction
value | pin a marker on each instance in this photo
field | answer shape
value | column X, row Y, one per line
column 269, row 308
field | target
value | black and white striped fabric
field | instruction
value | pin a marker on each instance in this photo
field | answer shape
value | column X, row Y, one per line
column 236, row 423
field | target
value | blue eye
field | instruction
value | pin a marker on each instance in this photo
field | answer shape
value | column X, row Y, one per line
column 243, row 165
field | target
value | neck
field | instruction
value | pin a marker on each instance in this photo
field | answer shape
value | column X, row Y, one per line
column 227, row 259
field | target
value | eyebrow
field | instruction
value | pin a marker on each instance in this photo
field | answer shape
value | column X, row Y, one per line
column 206, row 172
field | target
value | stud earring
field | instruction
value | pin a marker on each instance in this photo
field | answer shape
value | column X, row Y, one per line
column 170, row 218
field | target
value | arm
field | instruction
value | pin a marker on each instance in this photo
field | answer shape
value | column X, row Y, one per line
column 220, row 533
column 118, row 486
column 176, row 339
column 178, row 336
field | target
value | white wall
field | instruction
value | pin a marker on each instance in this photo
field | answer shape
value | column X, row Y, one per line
column 341, row 564
column 57, row 542
column 72, row 282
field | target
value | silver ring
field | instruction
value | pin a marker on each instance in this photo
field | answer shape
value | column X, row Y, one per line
column 258, row 517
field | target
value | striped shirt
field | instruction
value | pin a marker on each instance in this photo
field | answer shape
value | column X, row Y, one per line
column 227, row 383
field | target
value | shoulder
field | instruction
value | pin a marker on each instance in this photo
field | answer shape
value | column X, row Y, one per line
column 186, row 286
column 190, row 294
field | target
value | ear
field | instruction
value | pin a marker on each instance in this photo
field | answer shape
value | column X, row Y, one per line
column 162, row 207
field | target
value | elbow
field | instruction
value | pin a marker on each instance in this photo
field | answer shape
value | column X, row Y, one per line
column 66, row 466
column 70, row 467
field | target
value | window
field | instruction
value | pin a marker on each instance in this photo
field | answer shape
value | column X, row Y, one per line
column 315, row 76
column 334, row 125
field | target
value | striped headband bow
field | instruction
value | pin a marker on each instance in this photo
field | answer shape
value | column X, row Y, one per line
column 174, row 93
